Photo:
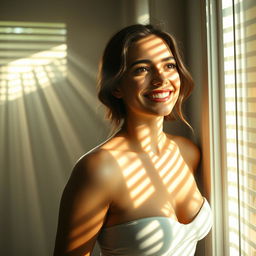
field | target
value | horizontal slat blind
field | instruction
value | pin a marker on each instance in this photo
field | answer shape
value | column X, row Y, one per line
column 31, row 56
column 239, row 55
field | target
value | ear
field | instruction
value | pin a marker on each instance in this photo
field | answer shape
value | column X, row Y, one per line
column 117, row 93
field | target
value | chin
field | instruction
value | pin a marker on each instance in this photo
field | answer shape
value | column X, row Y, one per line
column 166, row 112
column 162, row 114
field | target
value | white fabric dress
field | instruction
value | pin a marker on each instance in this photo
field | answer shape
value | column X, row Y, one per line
column 156, row 236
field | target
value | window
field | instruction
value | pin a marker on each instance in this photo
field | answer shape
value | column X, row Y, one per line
column 235, row 47
column 33, row 55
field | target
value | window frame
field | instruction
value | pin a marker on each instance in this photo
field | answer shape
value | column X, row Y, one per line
column 219, row 245
column 220, row 241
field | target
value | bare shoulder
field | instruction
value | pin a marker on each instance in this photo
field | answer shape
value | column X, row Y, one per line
column 85, row 200
column 95, row 168
column 100, row 163
column 188, row 149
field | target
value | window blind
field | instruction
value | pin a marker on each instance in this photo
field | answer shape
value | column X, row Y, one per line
column 31, row 56
column 238, row 21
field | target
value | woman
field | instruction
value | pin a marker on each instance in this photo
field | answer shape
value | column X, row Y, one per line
column 136, row 193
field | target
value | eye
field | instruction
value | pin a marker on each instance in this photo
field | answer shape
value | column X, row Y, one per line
column 141, row 70
column 171, row 66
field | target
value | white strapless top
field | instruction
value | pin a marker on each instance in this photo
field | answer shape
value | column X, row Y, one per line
column 156, row 236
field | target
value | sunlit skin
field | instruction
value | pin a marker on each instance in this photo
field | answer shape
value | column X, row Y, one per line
column 141, row 171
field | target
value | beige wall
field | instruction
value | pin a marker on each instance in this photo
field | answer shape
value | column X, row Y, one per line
column 198, row 110
column 44, row 133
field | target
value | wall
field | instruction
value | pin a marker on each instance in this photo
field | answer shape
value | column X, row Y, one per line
column 198, row 110
column 45, row 132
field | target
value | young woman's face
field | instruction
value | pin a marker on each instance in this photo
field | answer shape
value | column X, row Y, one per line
column 151, row 83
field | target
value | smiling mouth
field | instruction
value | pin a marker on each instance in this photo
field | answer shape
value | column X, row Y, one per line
column 159, row 95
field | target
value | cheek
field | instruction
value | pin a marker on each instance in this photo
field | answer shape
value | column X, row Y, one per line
column 175, row 79
column 135, row 86
column 130, row 89
column 140, row 81
column 177, row 90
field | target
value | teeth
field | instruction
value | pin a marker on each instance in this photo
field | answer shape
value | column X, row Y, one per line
column 160, row 95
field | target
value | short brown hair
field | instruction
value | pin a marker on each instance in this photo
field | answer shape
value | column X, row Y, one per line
column 113, row 66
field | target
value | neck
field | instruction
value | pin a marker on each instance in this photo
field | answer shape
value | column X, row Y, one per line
column 146, row 135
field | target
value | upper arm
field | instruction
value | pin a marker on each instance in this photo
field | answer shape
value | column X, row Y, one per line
column 83, row 208
column 189, row 152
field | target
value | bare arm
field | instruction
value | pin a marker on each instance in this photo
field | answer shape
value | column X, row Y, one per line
column 84, row 204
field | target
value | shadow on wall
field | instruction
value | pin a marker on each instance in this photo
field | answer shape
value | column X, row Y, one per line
column 48, row 116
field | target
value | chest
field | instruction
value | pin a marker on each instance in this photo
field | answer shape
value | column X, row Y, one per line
column 154, row 187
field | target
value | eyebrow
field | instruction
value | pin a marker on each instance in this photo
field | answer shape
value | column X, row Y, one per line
column 149, row 61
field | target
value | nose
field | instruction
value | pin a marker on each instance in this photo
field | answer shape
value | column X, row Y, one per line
column 159, row 78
